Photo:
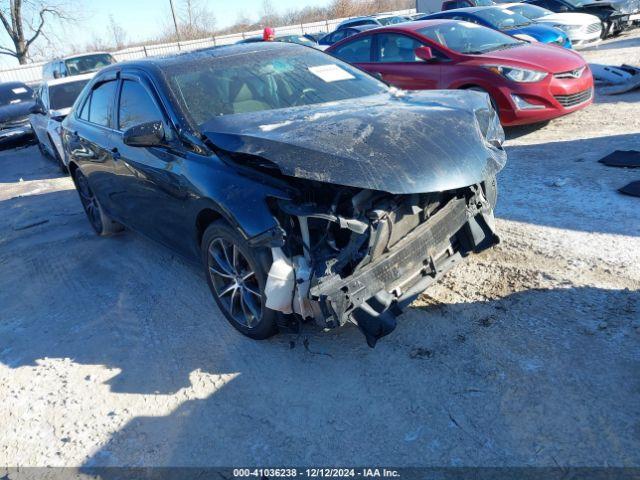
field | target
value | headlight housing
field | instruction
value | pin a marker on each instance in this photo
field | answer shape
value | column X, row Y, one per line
column 519, row 75
column 569, row 28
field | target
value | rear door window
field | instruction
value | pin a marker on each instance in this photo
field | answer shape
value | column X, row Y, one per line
column 396, row 48
column 100, row 105
column 355, row 51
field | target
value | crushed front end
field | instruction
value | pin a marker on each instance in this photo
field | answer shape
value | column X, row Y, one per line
column 360, row 255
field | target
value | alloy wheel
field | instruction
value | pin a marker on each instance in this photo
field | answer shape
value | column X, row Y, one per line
column 235, row 282
column 89, row 202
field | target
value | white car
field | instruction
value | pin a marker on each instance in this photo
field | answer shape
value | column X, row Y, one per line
column 54, row 100
column 377, row 20
column 581, row 28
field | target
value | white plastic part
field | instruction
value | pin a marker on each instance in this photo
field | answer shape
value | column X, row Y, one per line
column 280, row 283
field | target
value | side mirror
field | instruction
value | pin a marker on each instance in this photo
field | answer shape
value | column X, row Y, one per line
column 424, row 53
column 562, row 8
column 56, row 74
column 150, row 134
column 37, row 109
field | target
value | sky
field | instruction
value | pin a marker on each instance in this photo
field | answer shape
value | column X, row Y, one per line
column 143, row 19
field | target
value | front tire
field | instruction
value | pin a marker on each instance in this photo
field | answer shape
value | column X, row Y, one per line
column 237, row 275
column 102, row 224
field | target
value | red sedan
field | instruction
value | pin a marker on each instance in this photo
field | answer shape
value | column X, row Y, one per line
column 527, row 82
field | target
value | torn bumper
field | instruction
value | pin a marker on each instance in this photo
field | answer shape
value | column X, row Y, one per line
column 370, row 296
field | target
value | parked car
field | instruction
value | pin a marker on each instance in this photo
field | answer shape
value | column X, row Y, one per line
column 299, row 39
column 433, row 6
column 343, row 33
column 375, row 20
column 53, row 102
column 279, row 168
column 508, row 22
column 16, row 99
column 581, row 28
column 76, row 65
column 527, row 82
column 614, row 21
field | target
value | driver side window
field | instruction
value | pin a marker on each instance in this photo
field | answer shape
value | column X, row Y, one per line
column 136, row 106
column 396, row 48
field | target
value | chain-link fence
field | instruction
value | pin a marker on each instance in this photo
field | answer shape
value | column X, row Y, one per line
column 32, row 73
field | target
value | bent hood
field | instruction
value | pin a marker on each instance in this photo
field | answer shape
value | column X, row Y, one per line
column 395, row 142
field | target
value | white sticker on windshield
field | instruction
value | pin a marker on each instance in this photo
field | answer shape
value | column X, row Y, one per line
column 19, row 90
column 331, row 73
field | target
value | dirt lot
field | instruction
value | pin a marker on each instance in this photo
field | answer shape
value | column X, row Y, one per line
column 112, row 351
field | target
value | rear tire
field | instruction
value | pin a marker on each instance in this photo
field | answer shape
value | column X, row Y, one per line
column 237, row 275
column 102, row 224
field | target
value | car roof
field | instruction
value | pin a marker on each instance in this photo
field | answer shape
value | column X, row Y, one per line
column 363, row 28
column 13, row 84
column 159, row 62
column 416, row 25
column 471, row 9
column 71, row 79
column 78, row 55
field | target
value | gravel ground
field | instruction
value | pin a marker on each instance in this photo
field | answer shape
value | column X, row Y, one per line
column 112, row 351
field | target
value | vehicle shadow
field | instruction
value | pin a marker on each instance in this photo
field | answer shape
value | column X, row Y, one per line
column 26, row 163
column 573, row 191
column 619, row 43
column 518, row 131
column 491, row 383
column 627, row 97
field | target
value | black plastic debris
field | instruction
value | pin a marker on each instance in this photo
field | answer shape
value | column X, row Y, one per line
column 632, row 189
column 622, row 158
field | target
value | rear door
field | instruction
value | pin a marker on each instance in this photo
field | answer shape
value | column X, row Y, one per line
column 155, row 195
column 397, row 64
column 91, row 143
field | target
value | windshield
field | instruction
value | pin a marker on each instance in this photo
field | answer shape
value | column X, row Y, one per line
column 12, row 93
column 88, row 63
column 469, row 38
column 63, row 95
column 530, row 11
column 501, row 18
column 208, row 87
column 391, row 20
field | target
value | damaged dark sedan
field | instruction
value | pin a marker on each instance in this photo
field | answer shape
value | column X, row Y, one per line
column 307, row 188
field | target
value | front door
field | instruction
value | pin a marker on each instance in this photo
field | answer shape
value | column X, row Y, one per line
column 154, row 200
column 396, row 63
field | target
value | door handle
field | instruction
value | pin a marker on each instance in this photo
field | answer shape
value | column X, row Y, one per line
column 115, row 154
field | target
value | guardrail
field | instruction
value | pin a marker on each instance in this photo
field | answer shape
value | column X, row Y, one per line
column 32, row 73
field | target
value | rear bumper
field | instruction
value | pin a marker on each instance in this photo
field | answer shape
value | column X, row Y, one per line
column 411, row 266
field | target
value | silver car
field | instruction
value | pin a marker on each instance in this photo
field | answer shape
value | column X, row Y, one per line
column 54, row 100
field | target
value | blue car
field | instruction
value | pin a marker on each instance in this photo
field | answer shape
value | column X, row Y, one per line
column 508, row 22
column 343, row 33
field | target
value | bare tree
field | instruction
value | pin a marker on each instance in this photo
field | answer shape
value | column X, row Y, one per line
column 25, row 21
column 196, row 20
column 269, row 15
column 117, row 33
column 344, row 8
